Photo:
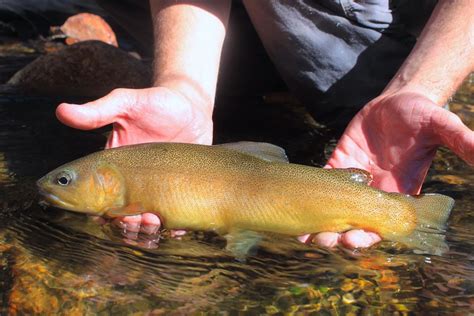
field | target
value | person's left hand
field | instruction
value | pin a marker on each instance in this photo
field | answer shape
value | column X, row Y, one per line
column 395, row 138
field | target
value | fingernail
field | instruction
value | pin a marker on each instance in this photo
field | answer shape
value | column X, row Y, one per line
column 131, row 227
column 149, row 229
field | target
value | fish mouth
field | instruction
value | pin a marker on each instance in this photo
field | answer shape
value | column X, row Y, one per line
column 52, row 199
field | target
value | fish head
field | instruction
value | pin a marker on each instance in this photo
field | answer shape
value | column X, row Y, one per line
column 92, row 188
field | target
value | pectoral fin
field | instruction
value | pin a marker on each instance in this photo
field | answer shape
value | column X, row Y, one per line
column 242, row 242
column 264, row 151
column 131, row 209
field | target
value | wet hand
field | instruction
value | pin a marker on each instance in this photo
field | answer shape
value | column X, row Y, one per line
column 140, row 230
column 395, row 138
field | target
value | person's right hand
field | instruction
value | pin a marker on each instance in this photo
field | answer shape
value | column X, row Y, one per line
column 140, row 116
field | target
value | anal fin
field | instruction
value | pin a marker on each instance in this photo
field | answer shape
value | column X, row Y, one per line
column 130, row 209
column 241, row 242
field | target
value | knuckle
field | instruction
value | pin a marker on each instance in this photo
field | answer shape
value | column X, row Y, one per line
column 120, row 92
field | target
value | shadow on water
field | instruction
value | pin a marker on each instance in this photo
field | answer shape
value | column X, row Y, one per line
column 26, row 136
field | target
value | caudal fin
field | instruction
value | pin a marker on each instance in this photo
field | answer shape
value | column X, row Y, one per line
column 432, row 211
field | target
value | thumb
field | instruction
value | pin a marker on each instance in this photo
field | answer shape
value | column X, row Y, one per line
column 452, row 133
column 328, row 166
column 95, row 114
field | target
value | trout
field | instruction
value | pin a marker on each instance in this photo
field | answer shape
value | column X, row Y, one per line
column 241, row 187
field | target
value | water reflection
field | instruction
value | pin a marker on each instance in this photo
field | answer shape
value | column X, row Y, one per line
column 57, row 262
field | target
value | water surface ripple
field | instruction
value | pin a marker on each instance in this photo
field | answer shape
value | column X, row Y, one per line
column 54, row 262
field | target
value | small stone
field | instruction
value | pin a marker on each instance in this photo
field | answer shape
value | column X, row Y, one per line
column 316, row 307
column 297, row 290
column 347, row 286
column 401, row 307
column 270, row 309
column 323, row 289
column 348, row 298
column 86, row 26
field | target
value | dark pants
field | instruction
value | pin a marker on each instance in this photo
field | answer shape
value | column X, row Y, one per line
column 332, row 54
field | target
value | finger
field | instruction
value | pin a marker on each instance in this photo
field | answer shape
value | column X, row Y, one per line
column 327, row 239
column 359, row 239
column 305, row 238
column 454, row 134
column 150, row 219
column 150, row 223
column 129, row 223
column 97, row 113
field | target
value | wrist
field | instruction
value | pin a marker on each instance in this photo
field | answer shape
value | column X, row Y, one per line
column 441, row 58
column 401, row 84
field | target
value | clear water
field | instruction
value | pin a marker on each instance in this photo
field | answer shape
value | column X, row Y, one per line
column 55, row 262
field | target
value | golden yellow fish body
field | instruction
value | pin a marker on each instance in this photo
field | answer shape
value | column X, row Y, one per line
column 201, row 187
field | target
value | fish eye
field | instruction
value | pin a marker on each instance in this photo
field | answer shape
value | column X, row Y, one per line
column 63, row 179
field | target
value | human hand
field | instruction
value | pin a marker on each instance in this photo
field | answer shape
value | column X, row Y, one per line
column 139, row 116
column 395, row 138
column 145, row 115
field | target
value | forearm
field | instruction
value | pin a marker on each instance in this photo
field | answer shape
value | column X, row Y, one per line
column 443, row 55
column 188, row 43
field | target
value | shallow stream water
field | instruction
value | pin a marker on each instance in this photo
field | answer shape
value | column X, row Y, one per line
column 55, row 262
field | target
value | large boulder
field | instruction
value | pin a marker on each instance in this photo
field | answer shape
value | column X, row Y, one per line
column 90, row 68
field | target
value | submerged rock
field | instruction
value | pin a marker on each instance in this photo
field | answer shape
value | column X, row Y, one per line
column 90, row 68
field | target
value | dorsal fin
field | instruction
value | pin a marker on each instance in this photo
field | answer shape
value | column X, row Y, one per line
column 265, row 151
